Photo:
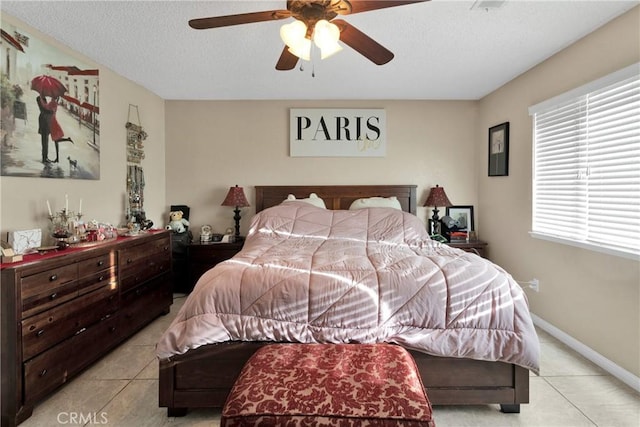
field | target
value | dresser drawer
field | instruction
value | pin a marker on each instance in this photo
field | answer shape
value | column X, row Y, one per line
column 97, row 264
column 131, row 258
column 143, row 272
column 49, row 297
column 46, row 329
column 142, row 304
column 51, row 369
column 98, row 280
column 41, row 283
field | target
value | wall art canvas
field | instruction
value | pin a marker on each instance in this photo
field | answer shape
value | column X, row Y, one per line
column 326, row 132
column 50, row 124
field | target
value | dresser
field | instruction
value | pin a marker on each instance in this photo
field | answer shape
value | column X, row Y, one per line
column 62, row 311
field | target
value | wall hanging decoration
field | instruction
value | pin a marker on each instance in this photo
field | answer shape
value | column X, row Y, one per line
column 325, row 132
column 135, row 216
column 135, row 137
column 50, row 114
column 499, row 150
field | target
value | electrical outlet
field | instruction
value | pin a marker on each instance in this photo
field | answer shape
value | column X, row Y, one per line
column 535, row 285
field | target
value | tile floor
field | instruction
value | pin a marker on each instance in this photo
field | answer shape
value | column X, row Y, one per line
column 121, row 390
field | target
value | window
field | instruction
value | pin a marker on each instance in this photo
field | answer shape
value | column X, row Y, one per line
column 586, row 165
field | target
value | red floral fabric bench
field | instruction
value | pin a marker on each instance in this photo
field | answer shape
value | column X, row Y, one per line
column 328, row 385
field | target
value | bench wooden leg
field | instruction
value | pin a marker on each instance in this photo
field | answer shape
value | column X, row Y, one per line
column 510, row 409
column 176, row 412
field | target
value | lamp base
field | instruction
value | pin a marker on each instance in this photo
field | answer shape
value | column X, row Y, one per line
column 236, row 217
column 434, row 222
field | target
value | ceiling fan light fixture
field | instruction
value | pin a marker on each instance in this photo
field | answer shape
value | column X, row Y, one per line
column 326, row 36
column 302, row 49
column 329, row 50
column 325, row 33
column 292, row 33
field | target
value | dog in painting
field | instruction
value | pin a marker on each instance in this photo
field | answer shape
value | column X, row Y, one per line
column 72, row 163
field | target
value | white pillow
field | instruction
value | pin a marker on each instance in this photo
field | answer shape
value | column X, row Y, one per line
column 313, row 199
column 376, row 202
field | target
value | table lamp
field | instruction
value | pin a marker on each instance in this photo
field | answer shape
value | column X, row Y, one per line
column 437, row 197
column 236, row 198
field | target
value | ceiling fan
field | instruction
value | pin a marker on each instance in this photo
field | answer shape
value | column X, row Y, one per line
column 318, row 19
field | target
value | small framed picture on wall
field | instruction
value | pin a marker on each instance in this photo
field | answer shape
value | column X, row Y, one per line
column 499, row 150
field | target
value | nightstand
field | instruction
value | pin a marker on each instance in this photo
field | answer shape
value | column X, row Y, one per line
column 204, row 256
column 478, row 247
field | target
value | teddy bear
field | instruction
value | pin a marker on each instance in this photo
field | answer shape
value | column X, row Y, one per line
column 177, row 223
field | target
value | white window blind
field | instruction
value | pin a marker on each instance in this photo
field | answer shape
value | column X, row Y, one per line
column 586, row 165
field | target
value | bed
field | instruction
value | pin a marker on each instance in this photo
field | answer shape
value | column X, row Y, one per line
column 482, row 355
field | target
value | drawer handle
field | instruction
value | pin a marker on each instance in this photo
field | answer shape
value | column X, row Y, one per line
column 129, row 260
column 53, row 295
column 100, row 263
column 101, row 278
column 43, row 373
column 80, row 331
column 53, row 277
column 40, row 332
column 112, row 329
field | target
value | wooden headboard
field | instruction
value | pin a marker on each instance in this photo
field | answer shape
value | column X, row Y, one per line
column 335, row 196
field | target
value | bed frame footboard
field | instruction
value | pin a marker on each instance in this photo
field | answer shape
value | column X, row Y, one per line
column 203, row 378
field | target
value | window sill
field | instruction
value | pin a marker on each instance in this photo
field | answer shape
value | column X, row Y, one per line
column 589, row 246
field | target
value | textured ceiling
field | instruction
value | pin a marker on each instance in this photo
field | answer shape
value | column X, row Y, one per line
column 444, row 49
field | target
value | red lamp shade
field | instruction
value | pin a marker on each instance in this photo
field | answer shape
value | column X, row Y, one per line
column 236, row 197
column 437, row 197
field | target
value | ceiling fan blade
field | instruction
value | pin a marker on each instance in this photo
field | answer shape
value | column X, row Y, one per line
column 358, row 6
column 362, row 43
column 287, row 60
column 242, row 18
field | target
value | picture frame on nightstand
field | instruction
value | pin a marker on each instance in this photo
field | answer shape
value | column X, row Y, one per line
column 463, row 217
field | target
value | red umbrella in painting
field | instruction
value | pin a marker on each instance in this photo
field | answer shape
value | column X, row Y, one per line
column 48, row 86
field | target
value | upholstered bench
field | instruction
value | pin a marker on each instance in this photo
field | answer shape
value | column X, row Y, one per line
column 328, row 385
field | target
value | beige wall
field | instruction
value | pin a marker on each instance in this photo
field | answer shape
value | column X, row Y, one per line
column 214, row 145
column 24, row 199
column 591, row 296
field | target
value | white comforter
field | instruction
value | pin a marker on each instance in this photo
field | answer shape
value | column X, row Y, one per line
column 311, row 275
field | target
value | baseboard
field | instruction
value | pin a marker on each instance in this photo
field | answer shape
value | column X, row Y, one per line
column 617, row 371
